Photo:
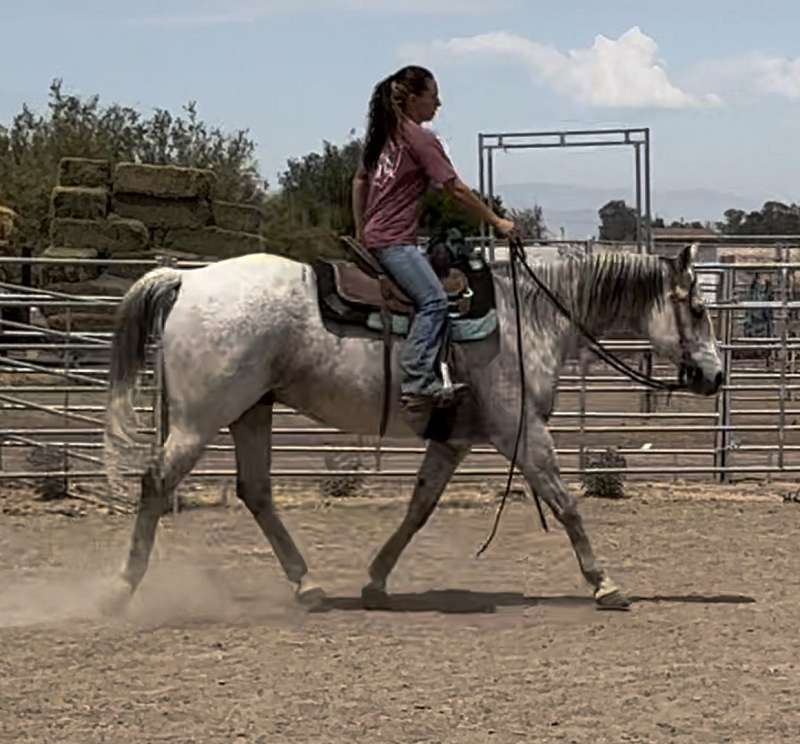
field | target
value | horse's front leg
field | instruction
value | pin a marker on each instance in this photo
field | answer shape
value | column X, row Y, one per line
column 538, row 464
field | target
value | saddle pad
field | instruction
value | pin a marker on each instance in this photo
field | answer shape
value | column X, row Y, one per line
column 462, row 329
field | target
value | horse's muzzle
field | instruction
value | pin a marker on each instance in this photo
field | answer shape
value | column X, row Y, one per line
column 697, row 381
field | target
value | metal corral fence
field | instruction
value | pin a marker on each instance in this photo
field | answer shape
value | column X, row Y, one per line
column 53, row 380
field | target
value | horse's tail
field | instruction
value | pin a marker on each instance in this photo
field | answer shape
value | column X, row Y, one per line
column 149, row 298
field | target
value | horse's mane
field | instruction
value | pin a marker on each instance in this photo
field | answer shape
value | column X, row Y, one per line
column 595, row 289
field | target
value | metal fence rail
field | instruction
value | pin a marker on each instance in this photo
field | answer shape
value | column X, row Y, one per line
column 52, row 395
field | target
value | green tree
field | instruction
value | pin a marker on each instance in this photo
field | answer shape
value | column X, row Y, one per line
column 774, row 218
column 617, row 221
column 441, row 212
column 734, row 219
column 529, row 222
column 317, row 188
column 32, row 146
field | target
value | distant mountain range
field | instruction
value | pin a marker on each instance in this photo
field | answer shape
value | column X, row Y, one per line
column 575, row 207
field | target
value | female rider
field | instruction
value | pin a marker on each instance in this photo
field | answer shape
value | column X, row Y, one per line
column 400, row 161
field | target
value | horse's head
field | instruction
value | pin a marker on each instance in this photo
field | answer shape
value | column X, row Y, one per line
column 680, row 328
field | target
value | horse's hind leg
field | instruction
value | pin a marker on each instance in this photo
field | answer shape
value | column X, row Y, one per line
column 181, row 451
column 438, row 466
column 252, row 435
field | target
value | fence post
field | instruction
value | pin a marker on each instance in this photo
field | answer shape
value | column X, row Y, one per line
column 583, row 363
column 646, row 398
column 725, row 296
column 67, row 367
column 784, row 355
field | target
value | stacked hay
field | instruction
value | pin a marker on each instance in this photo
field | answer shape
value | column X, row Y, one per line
column 82, row 227
column 176, row 205
column 135, row 211
column 7, row 219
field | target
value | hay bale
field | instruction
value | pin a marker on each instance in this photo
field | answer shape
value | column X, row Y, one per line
column 79, row 203
column 237, row 217
column 58, row 273
column 84, row 172
column 162, row 213
column 8, row 218
column 105, row 236
column 164, row 181
column 69, row 232
column 214, row 241
column 605, row 485
column 126, row 235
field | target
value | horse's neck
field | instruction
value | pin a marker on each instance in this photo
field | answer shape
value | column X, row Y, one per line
column 612, row 294
column 605, row 299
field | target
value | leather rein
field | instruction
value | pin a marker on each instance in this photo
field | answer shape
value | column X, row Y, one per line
column 517, row 256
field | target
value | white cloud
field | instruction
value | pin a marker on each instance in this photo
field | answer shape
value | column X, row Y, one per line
column 751, row 76
column 623, row 72
column 217, row 12
column 779, row 75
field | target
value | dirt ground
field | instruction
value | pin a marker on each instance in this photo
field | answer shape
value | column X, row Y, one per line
column 505, row 648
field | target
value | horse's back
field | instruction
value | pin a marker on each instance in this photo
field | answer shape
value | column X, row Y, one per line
column 254, row 277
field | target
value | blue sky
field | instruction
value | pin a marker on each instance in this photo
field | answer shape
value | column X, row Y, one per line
column 717, row 82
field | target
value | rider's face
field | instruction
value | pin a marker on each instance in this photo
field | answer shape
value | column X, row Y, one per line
column 422, row 107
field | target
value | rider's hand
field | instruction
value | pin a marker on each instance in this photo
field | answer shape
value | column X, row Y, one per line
column 505, row 227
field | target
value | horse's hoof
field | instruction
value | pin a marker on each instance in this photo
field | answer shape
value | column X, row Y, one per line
column 312, row 598
column 115, row 601
column 374, row 597
column 614, row 600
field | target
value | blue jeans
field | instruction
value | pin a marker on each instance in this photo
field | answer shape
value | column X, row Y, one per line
column 412, row 272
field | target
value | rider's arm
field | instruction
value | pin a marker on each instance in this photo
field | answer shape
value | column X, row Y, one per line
column 360, row 185
column 464, row 195
column 440, row 170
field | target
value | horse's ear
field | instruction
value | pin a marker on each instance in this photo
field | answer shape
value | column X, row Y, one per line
column 686, row 258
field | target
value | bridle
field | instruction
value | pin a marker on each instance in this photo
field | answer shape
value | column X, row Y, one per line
column 676, row 297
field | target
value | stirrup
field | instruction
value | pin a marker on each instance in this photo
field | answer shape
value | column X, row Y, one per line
column 450, row 390
column 441, row 399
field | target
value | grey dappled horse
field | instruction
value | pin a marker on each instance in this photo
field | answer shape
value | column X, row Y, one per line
column 246, row 332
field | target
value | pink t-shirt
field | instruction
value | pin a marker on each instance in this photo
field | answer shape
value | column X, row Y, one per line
column 405, row 170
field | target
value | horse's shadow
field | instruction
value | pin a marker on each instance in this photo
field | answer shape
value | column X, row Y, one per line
column 464, row 601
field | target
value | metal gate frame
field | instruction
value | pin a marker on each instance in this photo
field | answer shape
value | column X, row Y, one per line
column 636, row 137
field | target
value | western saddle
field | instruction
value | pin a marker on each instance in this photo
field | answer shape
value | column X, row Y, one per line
column 364, row 282
column 360, row 287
